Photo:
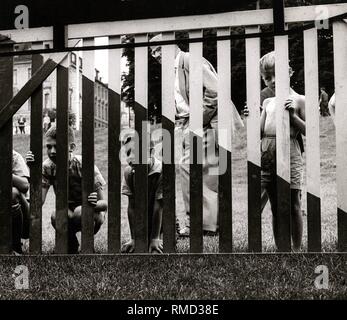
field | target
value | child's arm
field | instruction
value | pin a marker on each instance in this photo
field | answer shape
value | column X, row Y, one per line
column 21, row 183
column 30, row 159
column 129, row 247
column 297, row 120
column 97, row 199
column 331, row 107
column 155, row 243
column 263, row 118
column 44, row 194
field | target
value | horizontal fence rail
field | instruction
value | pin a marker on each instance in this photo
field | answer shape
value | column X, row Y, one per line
column 43, row 66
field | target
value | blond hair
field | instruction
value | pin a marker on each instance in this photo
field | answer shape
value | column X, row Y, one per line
column 267, row 63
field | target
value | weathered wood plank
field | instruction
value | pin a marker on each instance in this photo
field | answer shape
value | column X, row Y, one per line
column 114, row 145
column 62, row 175
column 196, row 143
column 29, row 88
column 142, row 130
column 217, row 20
column 87, row 236
column 35, row 245
column 312, row 141
column 340, row 68
column 225, row 143
column 168, row 144
column 6, row 88
column 253, row 141
column 282, row 144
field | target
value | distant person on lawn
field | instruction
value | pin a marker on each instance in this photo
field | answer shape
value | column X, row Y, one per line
column 96, row 199
column 323, row 102
column 155, row 198
column 46, row 123
column 21, row 124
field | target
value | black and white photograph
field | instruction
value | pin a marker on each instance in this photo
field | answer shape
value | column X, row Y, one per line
column 173, row 157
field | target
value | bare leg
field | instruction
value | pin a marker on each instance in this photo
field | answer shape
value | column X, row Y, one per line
column 17, row 221
column 296, row 219
column 271, row 192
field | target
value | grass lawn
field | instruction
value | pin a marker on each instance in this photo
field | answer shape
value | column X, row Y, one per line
column 190, row 277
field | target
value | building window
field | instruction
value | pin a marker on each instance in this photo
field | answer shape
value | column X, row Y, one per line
column 15, row 79
column 29, row 73
column 70, row 98
column 73, row 58
column 47, row 100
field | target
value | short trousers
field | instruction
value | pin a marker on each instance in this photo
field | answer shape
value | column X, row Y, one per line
column 268, row 163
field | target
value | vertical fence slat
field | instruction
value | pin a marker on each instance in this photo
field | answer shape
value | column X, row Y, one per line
column 87, row 236
column 253, row 141
column 114, row 166
column 168, row 144
column 141, row 124
column 312, row 141
column 61, row 246
column 196, row 137
column 6, row 88
column 282, row 144
column 225, row 145
column 340, row 68
column 35, row 245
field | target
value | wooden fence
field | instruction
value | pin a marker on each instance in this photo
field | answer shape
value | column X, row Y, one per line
column 43, row 66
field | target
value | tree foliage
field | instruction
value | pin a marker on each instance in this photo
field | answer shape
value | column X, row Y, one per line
column 238, row 63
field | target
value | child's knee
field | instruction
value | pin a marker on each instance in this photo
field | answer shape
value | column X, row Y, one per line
column 99, row 219
column 15, row 195
column 53, row 219
column 75, row 214
column 296, row 201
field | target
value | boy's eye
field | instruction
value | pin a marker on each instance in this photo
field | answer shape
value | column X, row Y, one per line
column 49, row 146
column 128, row 153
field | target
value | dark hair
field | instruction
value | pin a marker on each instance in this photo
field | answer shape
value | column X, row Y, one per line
column 52, row 133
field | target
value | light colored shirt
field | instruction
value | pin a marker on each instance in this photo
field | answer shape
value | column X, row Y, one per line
column 49, row 171
column 332, row 107
column 19, row 167
column 155, row 188
column 182, row 108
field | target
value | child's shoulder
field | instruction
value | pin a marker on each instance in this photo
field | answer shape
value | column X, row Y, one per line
column 128, row 170
column 48, row 163
column 156, row 167
column 267, row 101
column 77, row 158
column 300, row 100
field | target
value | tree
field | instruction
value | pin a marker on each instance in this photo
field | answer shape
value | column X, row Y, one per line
column 238, row 68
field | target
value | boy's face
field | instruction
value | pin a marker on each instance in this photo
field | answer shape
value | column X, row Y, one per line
column 270, row 80
column 156, row 53
column 51, row 145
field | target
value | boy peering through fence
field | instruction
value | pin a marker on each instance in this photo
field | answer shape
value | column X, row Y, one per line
column 295, row 104
column 155, row 197
column 20, row 207
column 95, row 199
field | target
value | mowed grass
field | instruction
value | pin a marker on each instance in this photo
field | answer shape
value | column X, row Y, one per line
column 239, row 201
column 209, row 276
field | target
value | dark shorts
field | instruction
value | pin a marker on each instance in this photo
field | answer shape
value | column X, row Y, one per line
column 268, row 163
